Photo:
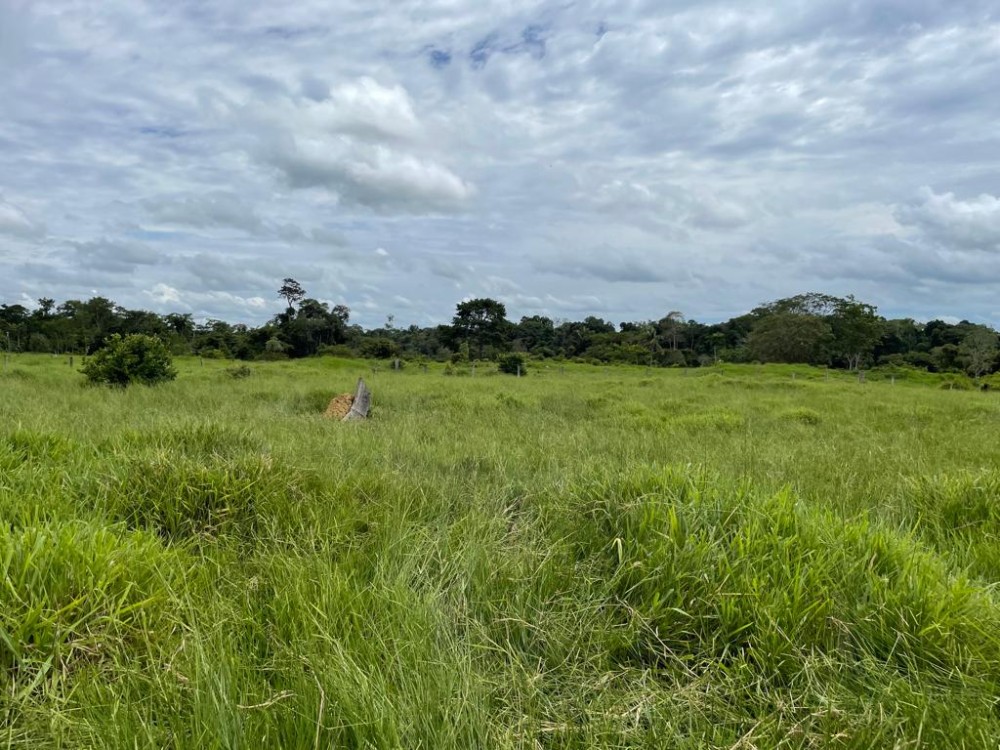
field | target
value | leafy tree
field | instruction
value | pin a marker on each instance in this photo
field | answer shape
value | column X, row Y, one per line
column 671, row 326
column 979, row 348
column 291, row 291
column 136, row 358
column 512, row 364
column 482, row 322
column 342, row 313
column 856, row 329
column 648, row 332
column 536, row 333
column 944, row 358
column 313, row 325
column 380, row 347
column 812, row 303
column 790, row 337
column 899, row 337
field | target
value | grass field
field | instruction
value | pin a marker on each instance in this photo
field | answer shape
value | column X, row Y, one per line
column 727, row 558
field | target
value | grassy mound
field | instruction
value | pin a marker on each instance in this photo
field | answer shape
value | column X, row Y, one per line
column 182, row 498
column 78, row 593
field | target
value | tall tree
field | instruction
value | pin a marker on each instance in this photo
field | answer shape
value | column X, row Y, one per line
column 790, row 337
column 979, row 349
column 856, row 329
column 45, row 306
column 481, row 322
column 671, row 326
column 292, row 292
column 536, row 333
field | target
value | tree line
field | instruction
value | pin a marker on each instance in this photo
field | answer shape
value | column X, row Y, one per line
column 812, row 328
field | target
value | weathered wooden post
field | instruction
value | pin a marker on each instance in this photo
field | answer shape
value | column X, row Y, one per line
column 519, row 370
column 861, row 376
column 473, row 370
column 361, row 405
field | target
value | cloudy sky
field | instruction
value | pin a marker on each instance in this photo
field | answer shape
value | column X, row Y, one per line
column 622, row 158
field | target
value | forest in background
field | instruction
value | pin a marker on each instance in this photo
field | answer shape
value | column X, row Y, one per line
column 813, row 328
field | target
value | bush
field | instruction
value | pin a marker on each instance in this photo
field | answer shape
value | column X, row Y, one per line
column 801, row 414
column 462, row 355
column 238, row 372
column 379, row 347
column 512, row 364
column 136, row 358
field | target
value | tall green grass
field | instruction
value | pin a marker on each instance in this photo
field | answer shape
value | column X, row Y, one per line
column 584, row 557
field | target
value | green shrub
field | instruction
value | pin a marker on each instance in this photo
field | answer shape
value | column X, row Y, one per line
column 462, row 355
column 956, row 383
column 512, row 364
column 801, row 414
column 379, row 347
column 136, row 358
column 238, row 372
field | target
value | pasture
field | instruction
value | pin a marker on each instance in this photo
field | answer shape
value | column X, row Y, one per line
column 580, row 558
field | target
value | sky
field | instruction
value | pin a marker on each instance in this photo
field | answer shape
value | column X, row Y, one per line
column 618, row 158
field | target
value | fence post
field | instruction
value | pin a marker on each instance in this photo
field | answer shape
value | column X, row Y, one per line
column 519, row 370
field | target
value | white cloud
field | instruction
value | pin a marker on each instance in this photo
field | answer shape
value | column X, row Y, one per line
column 618, row 159
column 214, row 209
column 972, row 223
column 365, row 145
column 164, row 294
column 14, row 222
